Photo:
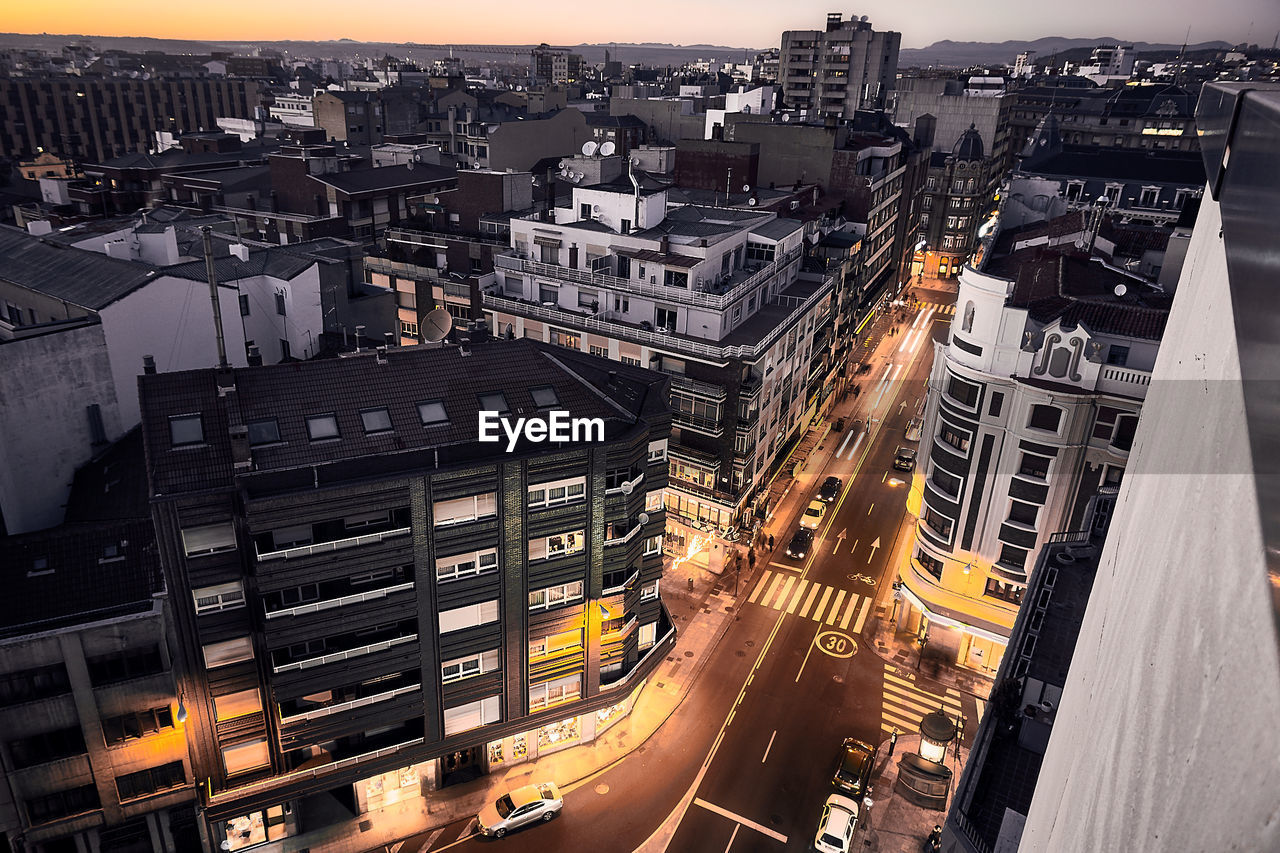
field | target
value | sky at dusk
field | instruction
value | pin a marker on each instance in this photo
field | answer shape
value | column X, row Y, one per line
column 737, row 23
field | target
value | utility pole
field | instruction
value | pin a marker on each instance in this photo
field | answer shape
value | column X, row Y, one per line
column 207, row 232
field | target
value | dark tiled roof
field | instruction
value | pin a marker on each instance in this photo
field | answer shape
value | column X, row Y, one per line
column 290, row 393
column 605, row 120
column 98, row 571
column 80, row 277
column 176, row 158
column 387, row 177
column 276, row 263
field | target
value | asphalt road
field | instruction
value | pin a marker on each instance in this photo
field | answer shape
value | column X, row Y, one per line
column 755, row 741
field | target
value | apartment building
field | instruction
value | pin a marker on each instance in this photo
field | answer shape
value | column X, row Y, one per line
column 96, row 118
column 92, row 746
column 370, row 601
column 846, row 67
column 959, row 196
column 1031, row 410
column 1151, row 116
column 715, row 297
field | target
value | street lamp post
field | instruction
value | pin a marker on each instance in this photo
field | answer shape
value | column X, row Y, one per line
column 924, row 641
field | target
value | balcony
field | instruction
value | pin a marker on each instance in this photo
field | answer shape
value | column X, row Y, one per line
column 737, row 288
column 630, row 534
column 1124, row 381
column 358, row 598
column 386, row 266
column 345, row 654
column 317, row 713
column 622, row 587
column 704, row 426
column 334, row 545
column 627, row 487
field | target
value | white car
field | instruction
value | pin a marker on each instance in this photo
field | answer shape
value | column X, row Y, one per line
column 813, row 515
column 913, row 429
column 521, row 807
column 835, row 828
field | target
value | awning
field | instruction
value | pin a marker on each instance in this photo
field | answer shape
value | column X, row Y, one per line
column 549, row 242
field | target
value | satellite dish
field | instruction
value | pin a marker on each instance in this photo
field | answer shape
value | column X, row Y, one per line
column 746, row 108
column 607, row 149
column 746, row 188
column 564, row 164
column 589, row 148
column 753, row 201
column 595, row 208
column 435, row 325
column 635, row 161
column 475, row 165
column 577, row 176
column 417, row 158
column 1121, row 290
column 627, row 488
column 643, row 518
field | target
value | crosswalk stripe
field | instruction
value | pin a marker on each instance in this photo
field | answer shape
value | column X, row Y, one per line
column 915, row 703
column 862, row 616
column 777, row 580
column 848, row 613
column 822, row 604
column 808, row 602
column 901, row 723
column 982, row 706
column 782, row 594
column 922, row 695
column 799, row 593
column 835, row 607
column 756, row 592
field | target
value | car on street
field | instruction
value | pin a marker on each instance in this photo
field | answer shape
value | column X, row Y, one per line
column 913, row 429
column 835, row 827
column 830, row 489
column 800, row 544
column 904, row 459
column 521, row 807
column 853, row 769
column 813, row 514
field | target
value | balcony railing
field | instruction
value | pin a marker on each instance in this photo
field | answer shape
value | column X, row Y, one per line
column 311, row 772
column 354, row 703
column 631, row 534
column 345, row 654
column 620, row 634
column 357, row 598
column 623, row 487
column 707, row 426
column 699, row 298
column 661, row 341
column 622, row 587
column 335, row 545
column 373, row 263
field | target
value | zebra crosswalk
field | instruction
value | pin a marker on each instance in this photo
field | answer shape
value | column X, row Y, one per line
column 938, row 308
column 801, row 597
column 904, row 703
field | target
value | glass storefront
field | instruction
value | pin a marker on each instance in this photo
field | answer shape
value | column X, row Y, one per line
column 389, row 788
column 561, row 734
column 255, row 828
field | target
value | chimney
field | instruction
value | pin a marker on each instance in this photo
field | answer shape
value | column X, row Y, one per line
column 359, row 332
column 389, row 339
column 273, row 204
column 240, row 250
column 250, row 202
column 255, row 357
column 149, row 364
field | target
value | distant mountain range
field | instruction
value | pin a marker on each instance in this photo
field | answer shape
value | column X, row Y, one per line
column 943, row 53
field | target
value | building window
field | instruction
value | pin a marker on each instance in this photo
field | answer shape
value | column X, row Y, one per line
column 241, row 703
column 466, row 667
column 139, row 724
column 125, row 665
column 657, row 451
column 186, row 430
column 760, row 253
column 648, row 635
column 264, row 432
column 375, row 421
column 556, row 643
column 466, row 565
column 244, row 305
column 47, row 746
column 244, row 757
column 62, row 804
column 555, row 692
column 947, row 483
column 954, row 437
column 559, row 545
column 227, row 652
column 280, row 307
column 1013, row 557
column 1011, row 593
column 544, row 397
column 938, row 523
column 285, row 352
column 322, row 427
column 432, row 413
column 208, row 539
column 1075, row 190
column 1047, row 418
column 665, row 318
column 1023, row 513
column 930, row 564
column 494, row 402
column 557, row 493
column 461, row 510
column 1126, row 426
column 152, row 780
column 554, row 596
column 1117, row 355
column 473, row 715
column 649, row 592
column 224, row 596
column 547, row 294
column 675, row 278
column 1149, row 197
column 470, row 616
column 964, row 393
column 997, row 403
column 1034, row 466
column 652, row 545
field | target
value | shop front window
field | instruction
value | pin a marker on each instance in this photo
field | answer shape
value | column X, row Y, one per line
column 558, row 734
column 255, row 828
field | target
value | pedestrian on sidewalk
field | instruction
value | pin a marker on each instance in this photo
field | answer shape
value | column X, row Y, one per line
column 770, row 541
column 751, row 560
column 893, row 741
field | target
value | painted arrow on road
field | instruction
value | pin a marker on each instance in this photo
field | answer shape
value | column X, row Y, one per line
column 902, row 406
column 874, row 546
column 842, row 535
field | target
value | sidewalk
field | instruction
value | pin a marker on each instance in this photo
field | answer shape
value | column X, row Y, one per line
column 892, row 823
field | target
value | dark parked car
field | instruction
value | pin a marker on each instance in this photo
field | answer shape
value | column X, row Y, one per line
column 830, row 489
column 800, row 544
column 905, row 459
column 853, row 772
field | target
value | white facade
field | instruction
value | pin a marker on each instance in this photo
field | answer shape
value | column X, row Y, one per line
column 294, row 110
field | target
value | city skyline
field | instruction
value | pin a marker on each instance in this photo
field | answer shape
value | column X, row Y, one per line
column 715, row 23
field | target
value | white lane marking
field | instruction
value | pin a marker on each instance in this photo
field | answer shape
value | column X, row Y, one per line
column 813, row 593
column 835, row 607
column 799, row 593
column 466, row 832
column 431, row 839
column 804, row 662
column 785, row 566
column 777, row 579
column 822, row 605
column 848, row 613
column 862, row 616
column 847, row 436
column 732, row 836
column 853, row 451
column 782, row 595
column 750, row 824
column 764, row 580
column 769, row 747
